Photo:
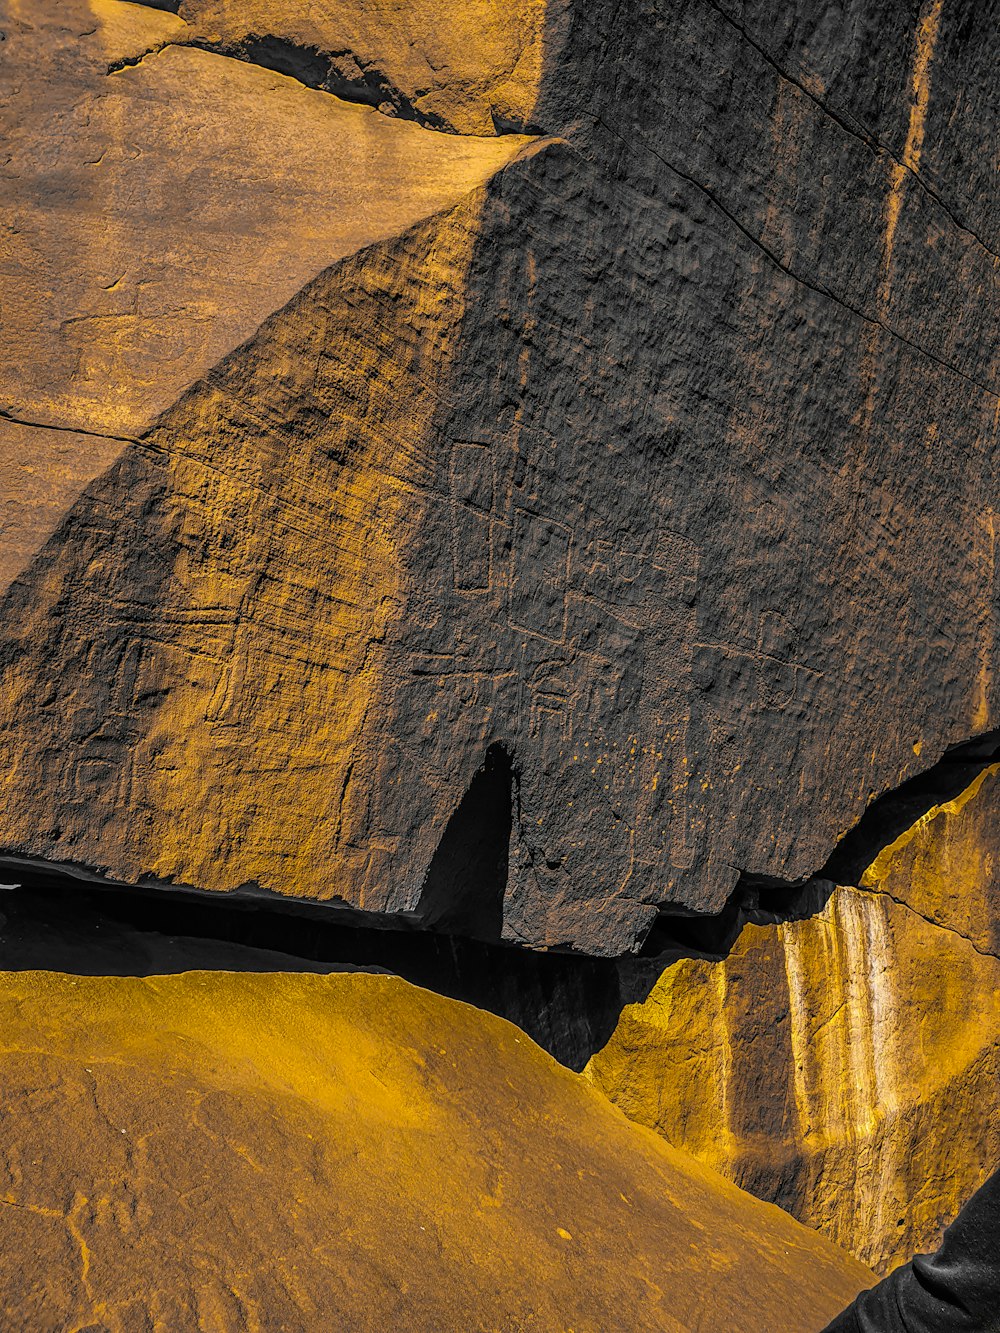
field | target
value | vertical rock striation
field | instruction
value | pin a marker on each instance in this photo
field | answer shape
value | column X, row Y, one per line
column 843, row 1064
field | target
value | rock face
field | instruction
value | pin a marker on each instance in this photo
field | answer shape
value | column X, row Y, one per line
column 648, row 467
column 166, row 1161
column 946, row 866
column 523, row 473
column 157, row 213
column 844, row 1064
column 473, row 68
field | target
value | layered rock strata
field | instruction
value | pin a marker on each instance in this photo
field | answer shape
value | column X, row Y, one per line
column 289, row 1152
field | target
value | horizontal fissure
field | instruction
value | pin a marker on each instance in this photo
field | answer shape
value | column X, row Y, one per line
column 338, row 73
column 55, row 920
column 768, row 899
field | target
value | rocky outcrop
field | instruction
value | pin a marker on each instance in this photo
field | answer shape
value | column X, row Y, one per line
column 654, row 464
column 157, row 213
column 842, row 1062
column 323, row 1164
column 472, row 70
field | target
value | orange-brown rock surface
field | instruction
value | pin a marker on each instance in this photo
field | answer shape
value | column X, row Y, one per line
column 220, row 1152
column 630, row 484
column 472, row 68
column 845, row 1063
column 157, row 213
column 524, row 471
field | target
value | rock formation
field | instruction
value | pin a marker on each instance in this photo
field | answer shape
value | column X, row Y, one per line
column 844, row 1062
column 655, row 464
column 351, row 1152
column 519, row 476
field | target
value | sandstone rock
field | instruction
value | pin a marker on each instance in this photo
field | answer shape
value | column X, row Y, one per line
column 473, row 68
column 946, row 866
column 224, row 1152
column 155, row 215
column 844, row 1065
column 654, row 470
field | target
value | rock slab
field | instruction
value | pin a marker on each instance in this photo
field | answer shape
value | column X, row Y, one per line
column 219, row 1151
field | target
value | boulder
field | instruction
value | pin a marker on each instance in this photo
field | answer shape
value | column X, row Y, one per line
column 523, row 539
column 219, row 1151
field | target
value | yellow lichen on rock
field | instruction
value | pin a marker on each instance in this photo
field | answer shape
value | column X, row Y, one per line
column 843, row 1065
column 241, row 1151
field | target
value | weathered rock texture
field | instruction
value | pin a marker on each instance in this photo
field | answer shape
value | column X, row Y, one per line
column 845, row 1064
column 154, row 215
column 946, row 866
column 168, row 1162
column 470, row 68
column 658, row 464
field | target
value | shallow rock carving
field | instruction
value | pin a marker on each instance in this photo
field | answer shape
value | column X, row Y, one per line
column 658, row 452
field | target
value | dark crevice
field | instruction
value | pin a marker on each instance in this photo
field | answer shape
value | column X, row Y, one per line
column 464, row 889
column 74, row 921
column 768, row 900
column 336, row 72
column 892, row 814
column 69, row 430
column 569, row 1004
column 170, row 6
column 755, row 900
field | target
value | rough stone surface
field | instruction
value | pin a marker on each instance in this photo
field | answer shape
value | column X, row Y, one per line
column 661, row 463
column 229, row 1152
column 946, row 866
column 155, row 215
column 473, row 67
column 844, row 1066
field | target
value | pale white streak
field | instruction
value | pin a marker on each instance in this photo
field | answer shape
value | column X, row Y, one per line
column 884, row 1027
column 722, row 1068
column 798, row 1024
column 859, row 1085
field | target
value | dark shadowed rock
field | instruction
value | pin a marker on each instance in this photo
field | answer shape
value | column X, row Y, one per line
column 660, row 461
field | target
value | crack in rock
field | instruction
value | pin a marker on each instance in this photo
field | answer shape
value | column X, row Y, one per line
column 338, row 73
